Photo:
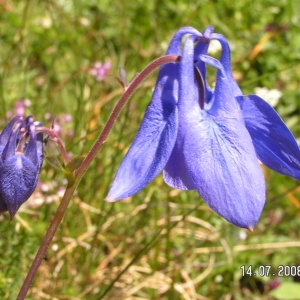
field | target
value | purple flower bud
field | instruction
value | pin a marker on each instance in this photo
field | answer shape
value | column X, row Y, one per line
column 21, row 158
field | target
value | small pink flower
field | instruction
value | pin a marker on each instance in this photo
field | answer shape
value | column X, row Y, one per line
column 67, row 118
column 20, row 108
column 47, row 116
column 100, row 70
column 57, row 128
column 27, row 102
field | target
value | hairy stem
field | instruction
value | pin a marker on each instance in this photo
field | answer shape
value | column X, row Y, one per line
column 84, row 166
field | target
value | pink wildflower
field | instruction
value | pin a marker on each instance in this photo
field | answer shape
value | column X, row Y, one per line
column 100, row 70
column 20, row 107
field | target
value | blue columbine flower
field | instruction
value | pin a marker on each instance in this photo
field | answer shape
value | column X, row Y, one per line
column 207, row 140
column 21, row 158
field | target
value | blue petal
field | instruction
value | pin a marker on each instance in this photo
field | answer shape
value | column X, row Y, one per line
column 17, row 180
column 275, row 145
column 225, row 60
column 10, row 147
column 176, row 174
column 156, row 137
column 175, row 44
column 5, row 134
column 154, row 141
column 222, row 163
column 223, row 102
column 4, row 137
column 201, row 48
column 217, row 150
column 31, row 146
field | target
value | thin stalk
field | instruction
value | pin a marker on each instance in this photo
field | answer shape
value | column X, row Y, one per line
column 84, row 166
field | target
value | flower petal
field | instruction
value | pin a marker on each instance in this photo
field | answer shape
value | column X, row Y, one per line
column 274, row 144
column 218, row 152
column 10, row 147
column 175, row 173
column 223, row 102
column 201, row 48
column 155, row 139
column 222, row 163
column 17, row 177
column 225, row 60
column 31, row 146
column 175, row 44
column 5, row 134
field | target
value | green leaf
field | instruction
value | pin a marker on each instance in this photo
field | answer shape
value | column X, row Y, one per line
column 75, row 163
column 54, row 162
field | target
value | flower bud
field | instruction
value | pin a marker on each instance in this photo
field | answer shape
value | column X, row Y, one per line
column 21, row 158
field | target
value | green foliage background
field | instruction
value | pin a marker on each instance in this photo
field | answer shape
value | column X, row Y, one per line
column 161, row 243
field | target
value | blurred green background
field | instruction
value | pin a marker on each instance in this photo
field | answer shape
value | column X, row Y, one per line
column 161, row 243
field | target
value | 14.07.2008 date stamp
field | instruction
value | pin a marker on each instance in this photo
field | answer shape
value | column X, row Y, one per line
column 269, row 271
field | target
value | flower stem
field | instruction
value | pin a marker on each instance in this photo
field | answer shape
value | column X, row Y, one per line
column 83, row 167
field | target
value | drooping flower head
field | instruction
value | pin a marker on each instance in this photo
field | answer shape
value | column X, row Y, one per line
column 207, row 140
column 21, row 158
